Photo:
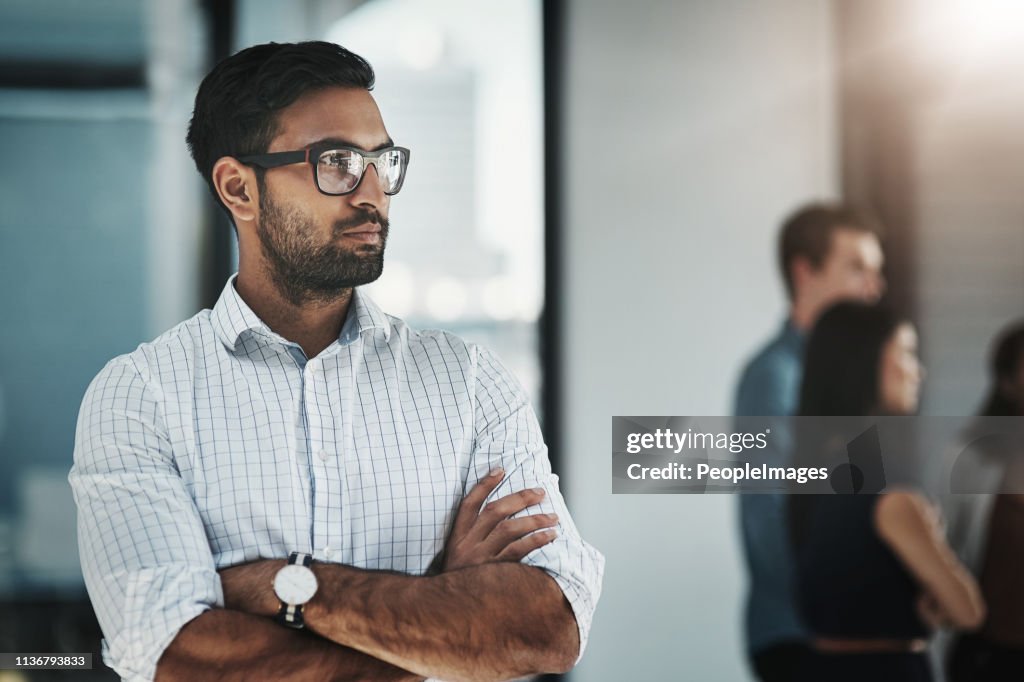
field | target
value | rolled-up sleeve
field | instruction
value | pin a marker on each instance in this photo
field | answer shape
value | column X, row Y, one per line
column 146, row 561
column 508, row 435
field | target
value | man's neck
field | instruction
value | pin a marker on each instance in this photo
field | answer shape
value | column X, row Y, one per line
column 802, row 316
column 313, row 325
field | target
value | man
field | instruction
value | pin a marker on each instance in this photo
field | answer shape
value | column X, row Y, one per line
column 266, row 490
column 827, row 253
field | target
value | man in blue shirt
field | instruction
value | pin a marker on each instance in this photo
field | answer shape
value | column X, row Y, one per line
column 827, row 253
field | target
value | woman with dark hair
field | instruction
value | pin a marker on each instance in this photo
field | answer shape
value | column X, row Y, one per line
column 1006, row 399
column 875, row 574
column 996, row 652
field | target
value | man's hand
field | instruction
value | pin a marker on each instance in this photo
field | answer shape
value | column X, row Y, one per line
column 489, row 535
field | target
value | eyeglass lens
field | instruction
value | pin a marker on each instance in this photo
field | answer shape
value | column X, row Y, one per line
column 339, row 170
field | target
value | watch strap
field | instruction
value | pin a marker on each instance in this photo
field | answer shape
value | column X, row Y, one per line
column 300, row 559
column 290, row 615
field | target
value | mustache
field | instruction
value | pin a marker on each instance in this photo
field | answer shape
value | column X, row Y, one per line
column 362, row 217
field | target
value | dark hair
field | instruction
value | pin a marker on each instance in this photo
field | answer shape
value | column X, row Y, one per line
column 842, row 359
column 1005, row 361
column 841, row 367
column 237, row 105
column 808, row 233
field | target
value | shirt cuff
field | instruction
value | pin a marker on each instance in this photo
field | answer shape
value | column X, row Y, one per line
column 158, row 603
column 581, row 593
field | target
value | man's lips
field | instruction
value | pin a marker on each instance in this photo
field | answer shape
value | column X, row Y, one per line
column 369, row 233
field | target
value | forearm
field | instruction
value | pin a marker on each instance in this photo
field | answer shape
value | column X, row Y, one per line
column 910, row 526
column 954, row 587
column 490, row 622
column 230, row 645
column 959, row 598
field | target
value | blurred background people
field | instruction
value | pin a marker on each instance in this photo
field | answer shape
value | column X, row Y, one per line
column 875, row 574
column 826, row 253
column 1006, row 368
column 988, row 528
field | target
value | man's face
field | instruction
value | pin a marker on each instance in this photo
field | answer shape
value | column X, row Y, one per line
column 852, row 271
column 315, row 245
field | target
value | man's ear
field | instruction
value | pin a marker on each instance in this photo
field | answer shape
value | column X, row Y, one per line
column 236, row 186
column 800, row 270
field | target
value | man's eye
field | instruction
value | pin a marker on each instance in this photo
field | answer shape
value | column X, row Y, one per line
column 337, row 160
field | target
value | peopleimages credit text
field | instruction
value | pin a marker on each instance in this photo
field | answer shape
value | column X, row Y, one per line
column 831, row 455
column 676, row 442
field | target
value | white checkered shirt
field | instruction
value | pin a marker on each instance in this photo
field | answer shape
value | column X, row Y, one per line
column 219, row 444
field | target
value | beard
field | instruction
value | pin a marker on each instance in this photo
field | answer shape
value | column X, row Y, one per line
column 305, row 271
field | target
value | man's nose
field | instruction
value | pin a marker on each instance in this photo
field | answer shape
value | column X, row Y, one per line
column 370, row 192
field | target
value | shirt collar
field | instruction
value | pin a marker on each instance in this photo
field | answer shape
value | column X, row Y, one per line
column 791, row 336
column 232, row 317
column 363, row 315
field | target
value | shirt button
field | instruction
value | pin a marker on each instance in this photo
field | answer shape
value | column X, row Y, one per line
column 324, row 456
column 328, row 552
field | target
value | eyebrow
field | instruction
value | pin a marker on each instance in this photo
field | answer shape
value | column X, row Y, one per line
column 342, row 142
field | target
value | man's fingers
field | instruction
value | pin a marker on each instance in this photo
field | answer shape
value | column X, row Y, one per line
column 520, row 548
column 510, row 530
column 469, row 508
column 499, row 510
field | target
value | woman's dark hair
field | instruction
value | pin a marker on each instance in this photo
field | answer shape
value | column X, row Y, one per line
column 1004, row 363
column 236, row 108
column 842, row 360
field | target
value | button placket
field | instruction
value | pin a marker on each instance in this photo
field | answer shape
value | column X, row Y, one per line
column 313, row 435
column 322, row 451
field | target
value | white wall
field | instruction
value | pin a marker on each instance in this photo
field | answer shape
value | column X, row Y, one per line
column 691, row 129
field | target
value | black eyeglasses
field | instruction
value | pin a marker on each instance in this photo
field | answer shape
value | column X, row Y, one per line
column 339, row 170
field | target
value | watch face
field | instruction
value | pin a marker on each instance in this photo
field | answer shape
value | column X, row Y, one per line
column 295, row 584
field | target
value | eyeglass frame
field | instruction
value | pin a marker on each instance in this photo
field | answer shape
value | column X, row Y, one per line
column 311, row 155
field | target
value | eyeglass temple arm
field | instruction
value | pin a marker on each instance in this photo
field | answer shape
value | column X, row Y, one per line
column 276, row 158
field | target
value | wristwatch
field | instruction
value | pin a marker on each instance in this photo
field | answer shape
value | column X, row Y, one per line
column 295, row 584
